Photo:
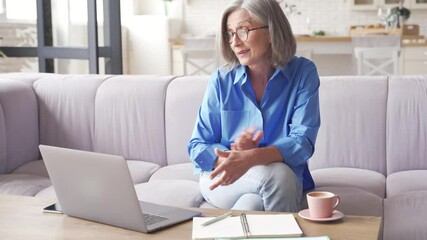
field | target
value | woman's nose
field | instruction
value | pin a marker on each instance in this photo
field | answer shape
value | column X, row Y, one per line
column 235, row 40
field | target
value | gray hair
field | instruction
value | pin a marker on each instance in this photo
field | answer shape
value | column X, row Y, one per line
column 267, row 13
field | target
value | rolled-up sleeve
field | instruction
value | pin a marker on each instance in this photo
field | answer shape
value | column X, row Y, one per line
column 298, row 146
column 207, row 130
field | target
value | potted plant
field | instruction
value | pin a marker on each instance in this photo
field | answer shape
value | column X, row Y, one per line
column 401, row 14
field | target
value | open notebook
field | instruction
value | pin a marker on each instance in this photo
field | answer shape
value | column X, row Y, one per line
column 265, row 225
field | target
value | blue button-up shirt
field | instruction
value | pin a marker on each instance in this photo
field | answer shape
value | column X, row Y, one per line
column 288, row 114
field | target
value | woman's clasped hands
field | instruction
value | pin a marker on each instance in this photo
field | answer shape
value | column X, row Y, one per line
column 235, row 163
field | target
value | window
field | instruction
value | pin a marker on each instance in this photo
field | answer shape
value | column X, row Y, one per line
column 13, row 10
column 78, row 10
column 24, row 12
column 2, row 10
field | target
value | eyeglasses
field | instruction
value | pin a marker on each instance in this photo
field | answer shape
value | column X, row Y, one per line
column 242, row 33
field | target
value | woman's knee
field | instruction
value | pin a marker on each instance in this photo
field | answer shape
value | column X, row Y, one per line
column 281, row 180
column 281, row 190
column 280, row 171
column 222, row 196
column 249, row 202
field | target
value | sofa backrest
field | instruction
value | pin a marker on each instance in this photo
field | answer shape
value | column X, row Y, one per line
column 121, row 115
column 67, row 109
column 407, row 124
column 129, row 117
column 151, row 118
column 18, row 123
column 183, row 99
column 353, row 120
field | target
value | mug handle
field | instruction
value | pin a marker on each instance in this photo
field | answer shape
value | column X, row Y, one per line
column 337, row 201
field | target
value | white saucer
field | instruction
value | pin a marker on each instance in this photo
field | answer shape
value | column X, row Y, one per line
column 335, row 216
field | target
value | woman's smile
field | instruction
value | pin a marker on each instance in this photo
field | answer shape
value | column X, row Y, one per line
column 242, row 52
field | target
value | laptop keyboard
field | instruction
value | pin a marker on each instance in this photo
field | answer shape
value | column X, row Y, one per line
column 153, row 219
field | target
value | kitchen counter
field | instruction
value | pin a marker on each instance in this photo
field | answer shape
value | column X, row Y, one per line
column 306, row 38
column 300, row 38
column 406, row 40
column 332, row 54
column 414, row 44
column 178, row 42
column 414, row 41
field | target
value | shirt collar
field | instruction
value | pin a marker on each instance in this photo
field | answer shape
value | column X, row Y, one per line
column 241, row 75
column 277, row 71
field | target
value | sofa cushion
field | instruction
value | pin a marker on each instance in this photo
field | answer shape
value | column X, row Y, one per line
column 406, row 181
column 22, row 184
column 354, row 201
column 176, row 171
column 48, row 192
column 67, row 109
column 183, row 99
column 18, row 124
column 362, row 179
column 141, row 171
column 405, row 216
column 182, row 193
column 25, row 77
column 3, row 142
column 129, row 118
column 34, row 168
column 406, row 124
column 353, row 116
column 205, row 204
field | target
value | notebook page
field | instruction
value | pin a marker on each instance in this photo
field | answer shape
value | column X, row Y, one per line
column 273, row 225
column 226, row 228
column 265, row 225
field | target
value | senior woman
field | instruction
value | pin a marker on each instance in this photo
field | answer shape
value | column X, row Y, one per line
column 258, row 122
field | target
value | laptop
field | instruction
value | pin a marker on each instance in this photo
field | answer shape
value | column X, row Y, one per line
column 98, row 187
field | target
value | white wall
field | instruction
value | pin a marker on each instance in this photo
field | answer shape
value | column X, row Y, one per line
column 148, row 31
column 149, row 50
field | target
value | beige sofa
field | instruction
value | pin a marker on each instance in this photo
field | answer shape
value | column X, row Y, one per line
column 371, row 148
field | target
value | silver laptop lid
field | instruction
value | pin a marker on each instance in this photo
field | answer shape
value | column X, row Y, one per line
column 94, row 186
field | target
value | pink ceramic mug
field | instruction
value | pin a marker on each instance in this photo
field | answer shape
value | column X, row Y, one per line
column 322, row 204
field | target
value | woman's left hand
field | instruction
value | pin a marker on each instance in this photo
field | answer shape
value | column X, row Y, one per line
column 235, row 165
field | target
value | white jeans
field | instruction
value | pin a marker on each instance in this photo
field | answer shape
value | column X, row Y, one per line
column 272, row 187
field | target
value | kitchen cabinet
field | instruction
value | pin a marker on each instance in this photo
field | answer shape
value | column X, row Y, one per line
column 363, row 4
column 414, row 60
column 418, row 4
column 374, row 4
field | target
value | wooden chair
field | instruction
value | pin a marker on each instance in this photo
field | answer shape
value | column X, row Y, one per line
column 199, row 56
column 377, row 54
column 377, row 60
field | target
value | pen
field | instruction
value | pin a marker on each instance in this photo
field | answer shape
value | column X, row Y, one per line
column 214, row 220
column 245, row 225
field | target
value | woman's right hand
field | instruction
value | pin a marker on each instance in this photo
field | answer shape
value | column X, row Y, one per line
column 248, row 139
